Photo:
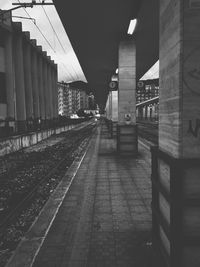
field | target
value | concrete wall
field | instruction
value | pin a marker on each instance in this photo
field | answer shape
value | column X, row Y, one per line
column 12, row 144
column 20, row 60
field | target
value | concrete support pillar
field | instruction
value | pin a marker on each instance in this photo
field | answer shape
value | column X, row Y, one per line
column 114, row 112
column 114, row 99
column 47, row 101
column 56, row 90
column 9, row 61
column 127, row 82
column 109, row 117
column 41, row 84
column 110, row 106
column 28, row 79
column 49, row 80
column 52, row 91
column 34, row 71
column 107, row 107
column 19, row 80
column 176, row 164
column 127, row 130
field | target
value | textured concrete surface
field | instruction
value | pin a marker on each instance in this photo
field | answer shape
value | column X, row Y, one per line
column 105, row 219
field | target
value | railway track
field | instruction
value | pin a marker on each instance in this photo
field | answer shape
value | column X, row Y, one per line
column 148, row 131
column 17, row 218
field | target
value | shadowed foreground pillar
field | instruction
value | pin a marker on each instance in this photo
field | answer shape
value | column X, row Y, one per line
column 19, row 79
column 127, row 128
column 176, row 163
column 28, row 78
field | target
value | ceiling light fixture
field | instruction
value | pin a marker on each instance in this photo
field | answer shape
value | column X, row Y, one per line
column 132, row 26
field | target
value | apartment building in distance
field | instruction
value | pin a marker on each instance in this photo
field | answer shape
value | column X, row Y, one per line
column 147, row 89
column 71, row 99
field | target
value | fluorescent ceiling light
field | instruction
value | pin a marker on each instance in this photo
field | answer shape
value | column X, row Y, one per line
column 131, row 27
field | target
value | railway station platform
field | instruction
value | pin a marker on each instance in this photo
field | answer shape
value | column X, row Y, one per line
column 104, row 219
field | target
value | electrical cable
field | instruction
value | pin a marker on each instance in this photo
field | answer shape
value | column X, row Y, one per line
column 58, row 38
column 47, row 41
column 39, row 29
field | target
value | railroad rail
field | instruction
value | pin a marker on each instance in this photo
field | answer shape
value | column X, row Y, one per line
column 75, row 145
column 148, row 130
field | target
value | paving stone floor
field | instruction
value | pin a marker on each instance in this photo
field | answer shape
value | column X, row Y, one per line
column 105, row 219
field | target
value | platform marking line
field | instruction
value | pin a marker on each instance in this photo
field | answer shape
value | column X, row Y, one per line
column 73, row 168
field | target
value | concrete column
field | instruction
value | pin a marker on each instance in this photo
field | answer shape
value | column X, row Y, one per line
column 36, row 105
column 28, row 77
column 127, row 82
column 179, row 88
column 56, row 89
column 9, row 61
column 176, row 165
column 41, row 83
column 19, row 79
column 127, row 130
column 114, row 116
column 47, row 101
column 107, row 107
column 52, row 90
column 114, row 99
column 110, row 106
column 49, row 79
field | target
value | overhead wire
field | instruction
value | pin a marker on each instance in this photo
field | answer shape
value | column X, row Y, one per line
column 58, row 37
column 48, row 40
column 39, row 29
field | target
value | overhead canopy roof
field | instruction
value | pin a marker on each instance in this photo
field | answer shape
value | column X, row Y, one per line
column 95, row 29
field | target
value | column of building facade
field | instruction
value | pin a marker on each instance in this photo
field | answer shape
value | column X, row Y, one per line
column 52, row 88
column 9, row 61
column 110, row 105
column 49, row 81
column 178, row 166
column 41, row 83
column 28, row 76
column 55, row 96
column 127, row 98
column 113, row 95
column 34, row 71
column 55, row 71
column 19, row 77
column 46, row 98
column 55, row 89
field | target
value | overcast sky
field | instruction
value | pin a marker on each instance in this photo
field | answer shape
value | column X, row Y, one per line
column 63, row 54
